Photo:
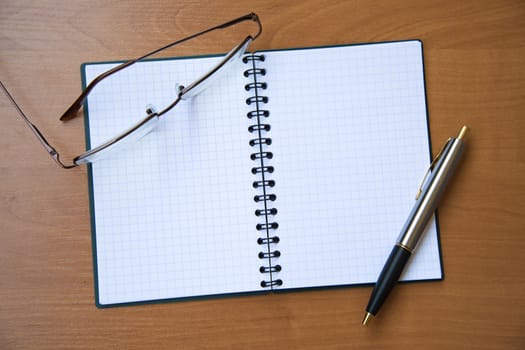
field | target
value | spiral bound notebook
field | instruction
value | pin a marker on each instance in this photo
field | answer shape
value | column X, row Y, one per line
column 297, row 170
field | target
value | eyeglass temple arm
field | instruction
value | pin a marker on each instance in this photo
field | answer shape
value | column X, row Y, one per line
column 49, row 149
column 72, row 111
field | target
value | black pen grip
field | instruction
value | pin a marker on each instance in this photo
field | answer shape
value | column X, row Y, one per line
column 388, row 278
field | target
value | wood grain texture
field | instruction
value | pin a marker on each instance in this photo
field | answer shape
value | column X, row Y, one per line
column 474, row 59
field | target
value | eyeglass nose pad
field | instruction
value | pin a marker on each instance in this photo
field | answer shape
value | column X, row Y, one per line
column 150, row 109
column 179, row 88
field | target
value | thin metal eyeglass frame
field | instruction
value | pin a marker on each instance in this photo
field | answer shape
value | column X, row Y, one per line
column 144, row 126
column 73, row 110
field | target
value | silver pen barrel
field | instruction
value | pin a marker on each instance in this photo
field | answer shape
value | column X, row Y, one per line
column 442, row 169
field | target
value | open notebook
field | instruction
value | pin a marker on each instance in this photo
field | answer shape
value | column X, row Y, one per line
column 308, row 188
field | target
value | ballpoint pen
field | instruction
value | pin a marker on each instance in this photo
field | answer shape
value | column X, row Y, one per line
column 429, row 193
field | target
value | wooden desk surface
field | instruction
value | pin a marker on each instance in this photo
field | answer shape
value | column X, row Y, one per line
column 474, row 60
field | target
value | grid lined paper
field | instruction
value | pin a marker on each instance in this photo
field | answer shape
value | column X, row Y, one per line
column 174, row 213
column 349, row 127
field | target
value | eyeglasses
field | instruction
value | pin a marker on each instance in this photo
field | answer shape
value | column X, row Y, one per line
column 150, row 122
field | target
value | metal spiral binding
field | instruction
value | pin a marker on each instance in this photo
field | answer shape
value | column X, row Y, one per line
column 262, row 170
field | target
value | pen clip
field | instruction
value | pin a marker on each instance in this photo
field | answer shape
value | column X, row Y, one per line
column 430, row 168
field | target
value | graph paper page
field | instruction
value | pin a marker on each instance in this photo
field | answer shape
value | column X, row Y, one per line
column 173, row 213
column 350, row 144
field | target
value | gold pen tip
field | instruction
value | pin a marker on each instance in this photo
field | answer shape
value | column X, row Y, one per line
column 367, row 318
column 462, row 132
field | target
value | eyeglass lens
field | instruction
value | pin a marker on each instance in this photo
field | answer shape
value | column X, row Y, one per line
column 147, row 125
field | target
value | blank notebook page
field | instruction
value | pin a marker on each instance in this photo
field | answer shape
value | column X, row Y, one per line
column 350, row 145
column 173, row 213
